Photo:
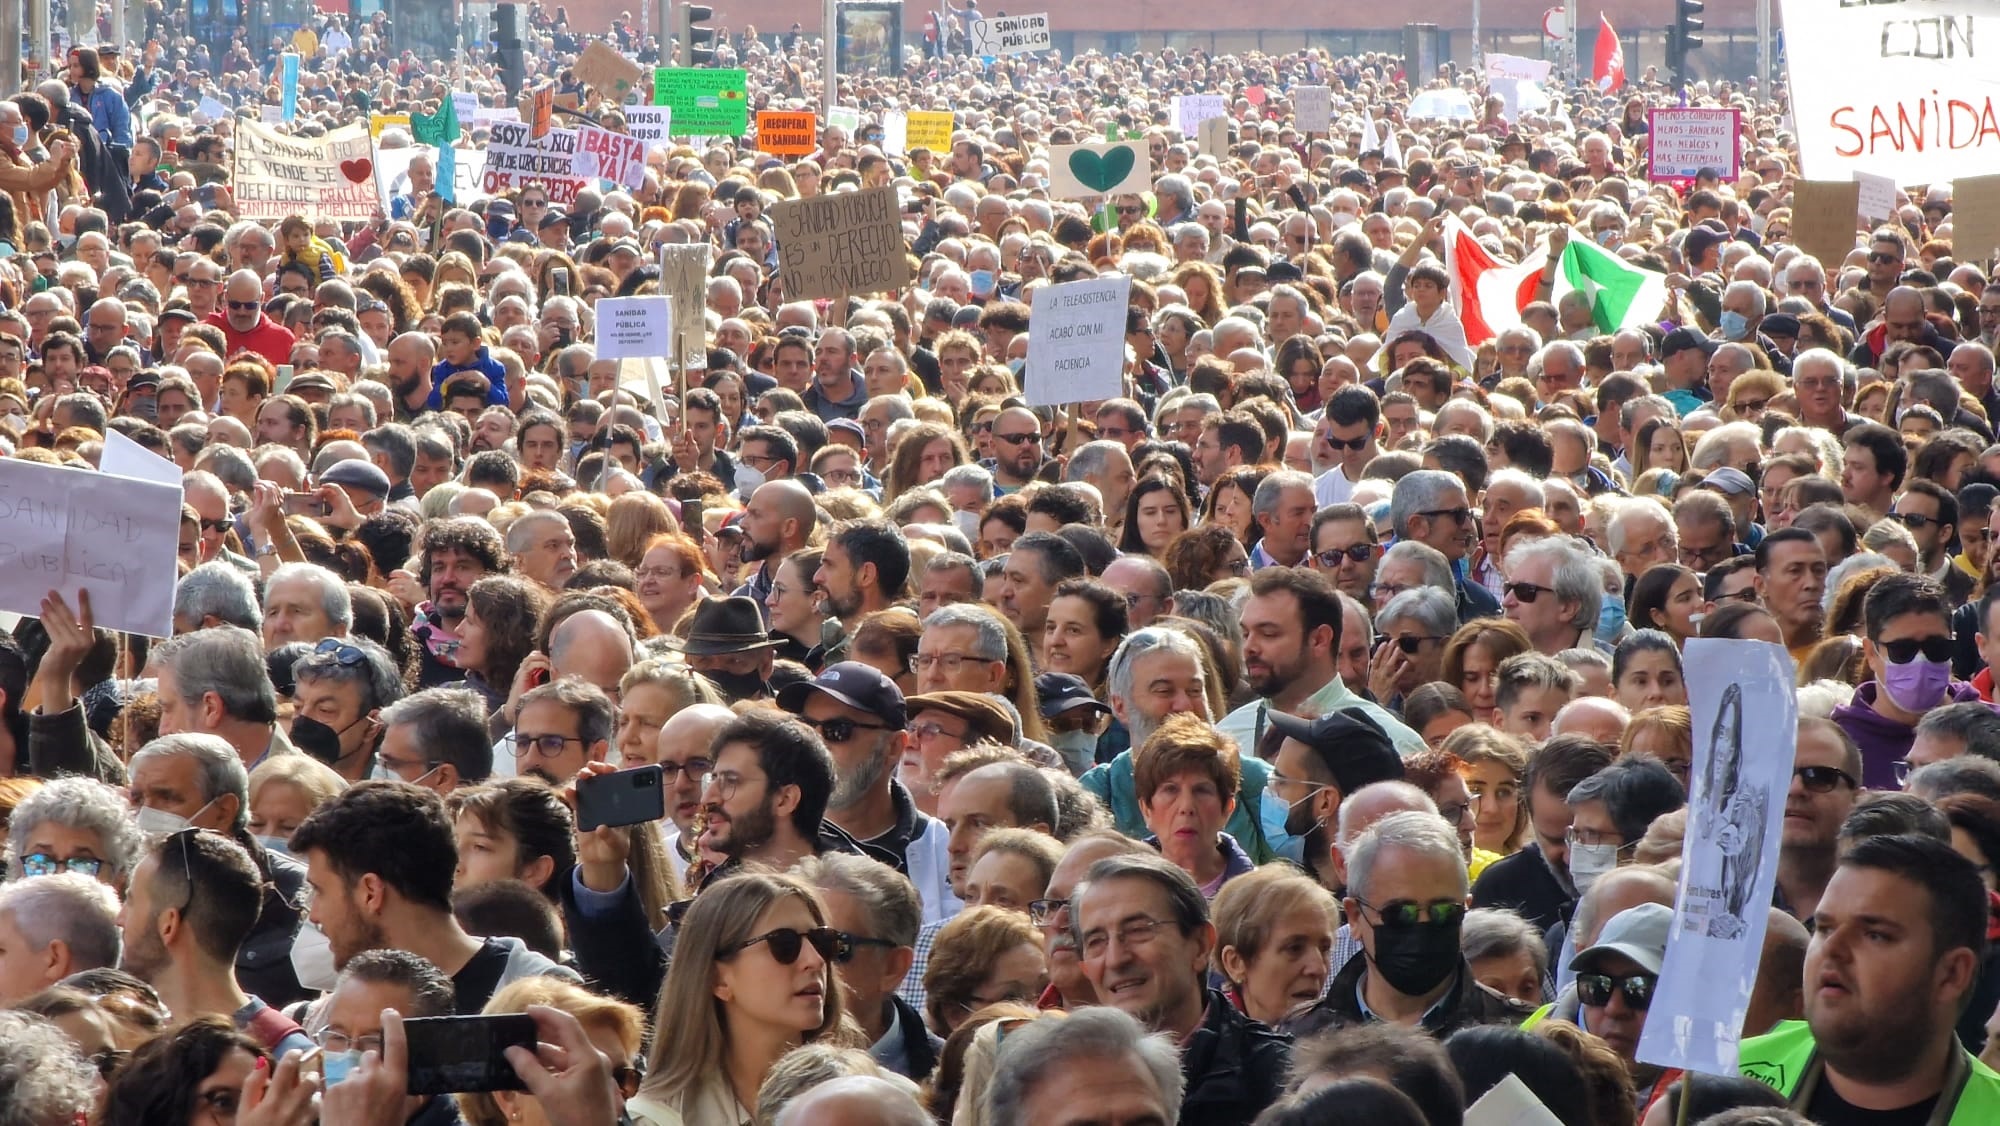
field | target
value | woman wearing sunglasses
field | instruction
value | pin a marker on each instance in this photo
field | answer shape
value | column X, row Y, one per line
column 614, row 1028
column 752, row 978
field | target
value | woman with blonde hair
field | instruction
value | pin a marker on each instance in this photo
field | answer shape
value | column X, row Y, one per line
column 752, row 978
column 615, row 1028
column 452, row 266
column 1273, row 935
column 632, row 522
column 284, row 790
column 1666, row 733
column 923, row 455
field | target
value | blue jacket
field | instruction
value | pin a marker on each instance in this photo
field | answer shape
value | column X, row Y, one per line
column 1112, row 784
column 484, row 364
column 111, row 116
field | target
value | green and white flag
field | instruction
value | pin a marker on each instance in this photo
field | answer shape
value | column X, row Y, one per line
column 1621, row 296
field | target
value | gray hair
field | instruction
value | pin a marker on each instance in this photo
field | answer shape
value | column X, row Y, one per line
column 1713, row 447
column 1520, row 479
column 1755, row 291
column 220, row 591
column 381, row 682
column 1568, row 349
column 1118, row 675
column 970, row 477
column 1425, row 834
column 1273, row 486
column 333, row 597
column 886, row 897
column 1635, row 510
column 218, row 768
column 1421, row 491
column 1576, row 577
column 1432, row 608
column 990, row 644
column 1091, row 459
column 230, row 465
column 225, row 660
column 1455, row 407
column 80, row 912
column 1099, row 1032
column 1437, row 569
column 1496, row 932
column 47, row 1080
column 1975, row 724
column 1935, row 388
column 79, row 803
column 596, row 715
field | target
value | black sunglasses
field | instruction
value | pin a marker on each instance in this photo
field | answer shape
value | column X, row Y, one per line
column 1347, row 443
column 1525, row 592
column 851, row 944
column 786, row 944
column 1411, row 644
column 1017, row 439
column 1359, row 553
column 245, row 306
column 1914, row 520
column 840, row 729
column 1823, row 779
column 1458, row 515
column 1595, row 989
column 1905, row 650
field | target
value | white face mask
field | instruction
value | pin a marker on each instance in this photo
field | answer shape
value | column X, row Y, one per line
column 1589, row 862
column 748, row 479
column 312, row 958
column 156, row 822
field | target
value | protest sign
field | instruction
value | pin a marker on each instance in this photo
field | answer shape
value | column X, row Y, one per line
column 842, row 243
column 288, row 88
column 465, row 104
column 70, row 530
column 1891, row 89
column 1315, row 108
column 1746, row 723
column 1076, row 342
column 705, row 102
column 125, row 458
column 930, row 129
column 212, row 109
column 634, row 328
column 1510, row 1103
column 1011, row 35
column 1083, row 171
column 514, row 160
column 392, row 172
column 787, row 132
column 330, row 177
column 684, row 280
column 611, row 74
column 1877, row 197
column 651, row 124
column 271, row 115
column 377, row 122
column 845, row 117
column 1190, row 110
column 1214, row 138
column 895, row 131
column 1975, row 218
column 1823, row 217
column 538, row 110
column 1517, row 67
column 1685, row 140
column 617, row 157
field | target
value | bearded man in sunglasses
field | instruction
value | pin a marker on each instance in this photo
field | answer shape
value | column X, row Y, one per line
column 1906, row 622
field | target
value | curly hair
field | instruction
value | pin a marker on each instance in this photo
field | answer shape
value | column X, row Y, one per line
column 1194, row 556
column 904, row 473
column 161, row 1080
column 510, row 608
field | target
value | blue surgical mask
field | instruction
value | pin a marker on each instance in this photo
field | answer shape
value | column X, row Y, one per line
column 1735, row 325
column 20, row 134
column 279, row 845
column 1610, row 618
column 340, row 1065
column 982, row 283
column 1272, row 813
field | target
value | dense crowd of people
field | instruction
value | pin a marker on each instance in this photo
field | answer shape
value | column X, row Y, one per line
column 1302, row 736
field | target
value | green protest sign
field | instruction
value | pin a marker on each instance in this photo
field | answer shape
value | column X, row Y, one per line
column 705, row 102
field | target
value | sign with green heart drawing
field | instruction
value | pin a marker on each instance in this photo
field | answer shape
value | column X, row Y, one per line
column 1084, row 171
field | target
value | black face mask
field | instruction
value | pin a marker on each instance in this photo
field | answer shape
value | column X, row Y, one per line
column 1414, row 960
column 316, row 739
column 737, row 685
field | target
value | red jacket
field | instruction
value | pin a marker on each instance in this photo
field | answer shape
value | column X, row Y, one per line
column 269, row 339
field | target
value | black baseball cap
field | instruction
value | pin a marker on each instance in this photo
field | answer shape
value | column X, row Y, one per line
column 1060, row 692
column 1348, row 742
column 1681, row 339
column 859, row 686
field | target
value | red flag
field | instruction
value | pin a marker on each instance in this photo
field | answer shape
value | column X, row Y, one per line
column 1608, row 72
column 1488, row 293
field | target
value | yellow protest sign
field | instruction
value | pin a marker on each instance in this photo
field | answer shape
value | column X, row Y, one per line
column 380, row 121
column 930, row 129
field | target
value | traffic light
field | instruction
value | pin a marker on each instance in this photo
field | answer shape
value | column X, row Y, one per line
column 507, row 48
column 1686, row 37
column 697, row 42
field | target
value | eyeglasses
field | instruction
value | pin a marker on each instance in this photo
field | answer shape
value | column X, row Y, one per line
column 1453, row 812
column 628, row 1077
column 109, row 1061
column 244, row 306
column 1277, row 781
column 1409, row 913
column 1018, row 439
column 1386, row 591
column 1595, row 990
column 1413, row 643
column 341, row 1042
column 933, row 730
column 1134, row 932
column 1904, row 768
column 548, row 746
column 1131, row 211
column 1049, row 912
column 840, row 729
column 1823, row 779
column 1751, row 405
column 1904, row 650
column 644, row 573
column 1914, row 520
column 1526, row 592
column 787, row 944
column 726, row 783
column 696, row 770
column 851, row 944
column 42, row 864
column 1747, row 594
column 950, row 662
column 1456, row 515
column 1989, row 310
column 1358, row 553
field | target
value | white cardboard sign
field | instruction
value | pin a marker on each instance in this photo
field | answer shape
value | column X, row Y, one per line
column 1076, row 342
column 70, row 530
column 634, row 328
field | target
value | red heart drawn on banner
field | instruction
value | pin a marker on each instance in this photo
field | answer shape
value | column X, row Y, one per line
column 357, row 170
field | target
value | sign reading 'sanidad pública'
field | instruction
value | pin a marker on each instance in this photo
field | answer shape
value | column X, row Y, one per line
column 842, row 243
column 69, row 530
column 1926, row 112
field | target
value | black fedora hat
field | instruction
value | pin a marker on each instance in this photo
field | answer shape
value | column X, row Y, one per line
column 726, row 625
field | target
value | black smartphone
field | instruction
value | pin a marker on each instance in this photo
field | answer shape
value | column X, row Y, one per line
column 453, row 1054
column 691, row 517
column 628, row 797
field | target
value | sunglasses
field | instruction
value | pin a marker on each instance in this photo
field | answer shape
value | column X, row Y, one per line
column 1017, row 439
column 839, row 729
column 1457, row 515
column 1936, row 650
column 1823, row 779
column 1411, row 644
column 346, row 654
column 1359, row 553
column 851, row 944
column 786, row 944
column 217, row 526
column 1914, row 520
column 245, row 306
column 1750, row 405
column 1360, row 443
column 1595, row 990
column 1526, row 592
column 1881, row 258
column 1409, row 913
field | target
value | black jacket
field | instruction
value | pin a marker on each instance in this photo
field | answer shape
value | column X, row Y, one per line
column 920, row 1048
column 1467, row 1005
column 1234, row 1066
column 1475, row 601
column 1524, row 883
column 264, row 964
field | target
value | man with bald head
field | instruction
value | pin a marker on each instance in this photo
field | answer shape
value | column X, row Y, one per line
column 411, row 357
column 1017, row 450
column 1971, row 363
column 682, row 749
column 1594, row 717
column 778, row 521
column 1902, row 320
column 244, row 323
column 104, row 328
column 854, row 1100
column 594, row 646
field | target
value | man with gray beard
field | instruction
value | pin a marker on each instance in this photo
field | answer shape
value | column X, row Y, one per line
column 861, row 716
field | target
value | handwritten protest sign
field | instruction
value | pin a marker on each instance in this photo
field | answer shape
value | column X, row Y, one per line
column 611, row 74
column 1684, row 141
column 1975, row 218
column 930, row 129
column 514, row 160
column 1823, row 217
column 705, row 102
column 1517, row 67
column 330, row 177
column 634, row 328
column 1011, row 35
column 1893, row 89
column 1746, row 722
column 1083, row 171
column 70, row 530
column 1076, row 342
column 684, row 280
column 465, row 104
column 125, row 458
column 605, row 155
column 1314, row 106
column 1190, row 110
column 651, row 124
column 392, row 172
column 1877, row 198
column 787, row 132
column 843, row 243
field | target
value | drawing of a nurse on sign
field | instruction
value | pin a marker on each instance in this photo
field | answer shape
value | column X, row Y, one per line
column 1738, row 809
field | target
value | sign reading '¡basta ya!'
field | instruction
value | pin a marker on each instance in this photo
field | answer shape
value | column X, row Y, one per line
column 1925, row 111
column 843, row 243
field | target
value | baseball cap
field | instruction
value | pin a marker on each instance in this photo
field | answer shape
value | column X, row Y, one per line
column 1706, row 235
column 862, row 687
column 852, row 426
column 552, row 218
column 1780, row 324
column 1730, row 480
column 1061, row 692
column 178, row 313
column 1681, row 339
column 1638, row 933
column 1348, row 742
column 357, row 474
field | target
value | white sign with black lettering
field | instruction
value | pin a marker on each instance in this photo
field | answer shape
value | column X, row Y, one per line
column 1011, row 35
column 1076, row 342
column 634, row 328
